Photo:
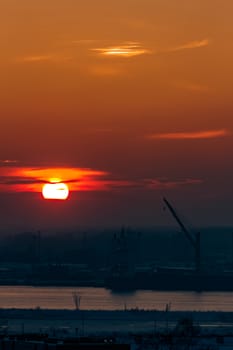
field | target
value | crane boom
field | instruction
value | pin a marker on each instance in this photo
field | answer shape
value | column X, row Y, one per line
column 194, row 240
column 176, row 217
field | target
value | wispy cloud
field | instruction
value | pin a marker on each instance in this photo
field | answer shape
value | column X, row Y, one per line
column 8, row 162
column 189, row 45
column 168, row 184
column 43, row 58
column 115, row 184
column 134, row 48
column 206, row 134
column 127, row 50
column 39, row 58
column 29, row 179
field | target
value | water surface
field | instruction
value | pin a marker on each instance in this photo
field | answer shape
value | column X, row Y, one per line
column 103, row 299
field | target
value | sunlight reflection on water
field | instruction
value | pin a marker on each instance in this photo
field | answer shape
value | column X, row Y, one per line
column 103, row 299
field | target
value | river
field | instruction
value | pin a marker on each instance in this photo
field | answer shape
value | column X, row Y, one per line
column 103, row 299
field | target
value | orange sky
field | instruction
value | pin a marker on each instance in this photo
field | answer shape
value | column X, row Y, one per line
column 137, row 91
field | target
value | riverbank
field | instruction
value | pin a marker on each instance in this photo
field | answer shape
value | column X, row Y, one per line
column 206, row 316
column 99, row 321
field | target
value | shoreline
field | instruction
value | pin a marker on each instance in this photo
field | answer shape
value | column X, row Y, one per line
column 15, row 313
column 98, row 322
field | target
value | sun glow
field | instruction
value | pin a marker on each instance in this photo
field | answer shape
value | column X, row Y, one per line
column 55, row 190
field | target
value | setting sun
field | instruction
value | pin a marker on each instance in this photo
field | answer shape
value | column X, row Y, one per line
column 58, row 191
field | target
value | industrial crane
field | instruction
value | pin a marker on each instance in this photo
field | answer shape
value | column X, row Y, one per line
column 194, row 238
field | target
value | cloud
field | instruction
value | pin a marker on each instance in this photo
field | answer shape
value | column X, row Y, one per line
column 126, row 50
column 206, row 134
column 190, row 45
column 44, row 58
column 133, row 48
column 35, row 58
column 19, row 180
column 8, row 162
column 29, row 179
column 147, row 184
column 168, row 184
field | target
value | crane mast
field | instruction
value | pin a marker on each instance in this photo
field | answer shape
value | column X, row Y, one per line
column 194, row 239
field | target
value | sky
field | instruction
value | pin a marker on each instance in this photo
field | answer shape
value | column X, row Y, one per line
column 126, row 101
